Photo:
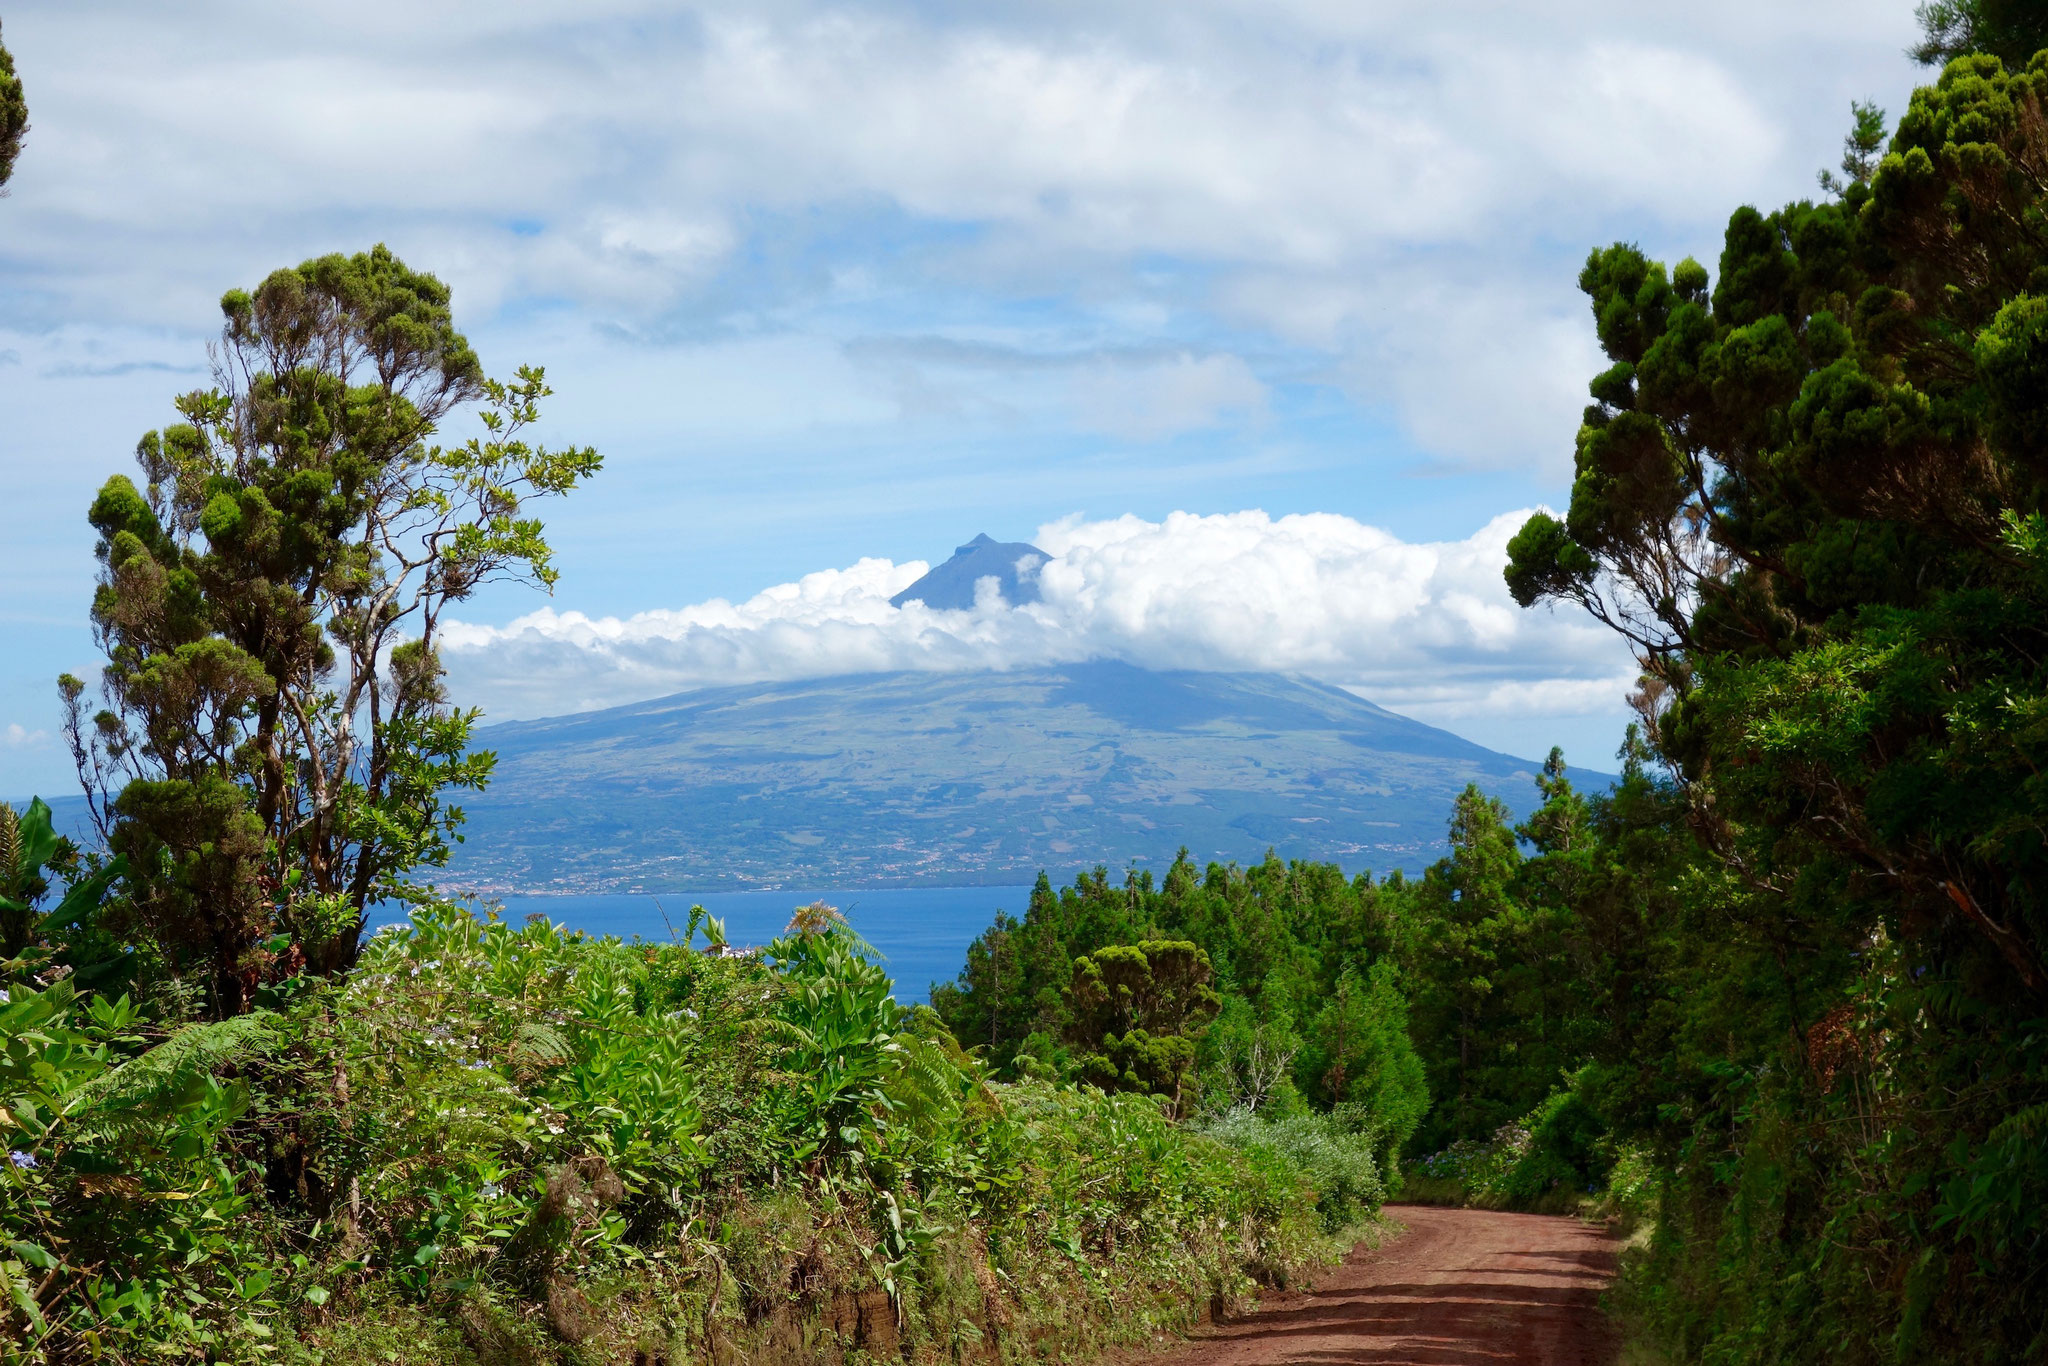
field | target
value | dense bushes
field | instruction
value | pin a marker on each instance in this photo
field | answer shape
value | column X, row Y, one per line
column 1550, row 1160
column 1334, row 1154
column 496, row 1143
column 117, row 1183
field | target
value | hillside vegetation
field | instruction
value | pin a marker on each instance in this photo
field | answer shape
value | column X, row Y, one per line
column 499, row 1144
column 238, row 1129
column 1779, row 997
column 973, row 776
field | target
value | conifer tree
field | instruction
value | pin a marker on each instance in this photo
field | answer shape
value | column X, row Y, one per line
column 1462, row 920
column 2010, row 30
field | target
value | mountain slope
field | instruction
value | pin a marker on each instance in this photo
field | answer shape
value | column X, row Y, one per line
column 977, row 777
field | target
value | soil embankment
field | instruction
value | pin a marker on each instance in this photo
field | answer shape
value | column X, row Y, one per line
column 1460, row 1288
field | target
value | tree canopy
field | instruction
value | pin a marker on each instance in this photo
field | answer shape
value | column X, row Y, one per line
column 1813, row 500
column 13, row 115
column 2010, row 30
column 276, row 737
column 1812, row 491
column 1136, row 1010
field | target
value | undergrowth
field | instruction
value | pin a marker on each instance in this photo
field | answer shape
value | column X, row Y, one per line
column 1333, row 1153
column 1557, row 1159
column 510, row 1145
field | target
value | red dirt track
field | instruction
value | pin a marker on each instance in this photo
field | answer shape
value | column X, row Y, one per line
column 1460, row 1288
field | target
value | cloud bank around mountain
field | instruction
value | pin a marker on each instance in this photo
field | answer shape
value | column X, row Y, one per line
column 815, row 274
column 1426, row 629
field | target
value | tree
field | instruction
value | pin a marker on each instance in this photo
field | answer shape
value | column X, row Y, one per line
column 1860, row 149
column 13, row 116
column 276, row 740
column 2010, row 30
column 1137, row 1010
column 1359, row 1055
column 1793, row 494
column 1252, row 1057
column 1012, row 996
column 1814, row 497
column 1461, row 917
column 1072, row 988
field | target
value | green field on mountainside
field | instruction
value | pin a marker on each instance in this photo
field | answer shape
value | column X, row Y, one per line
column 963, row 777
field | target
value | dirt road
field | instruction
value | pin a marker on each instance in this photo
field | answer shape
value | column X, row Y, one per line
column 1460, row 1288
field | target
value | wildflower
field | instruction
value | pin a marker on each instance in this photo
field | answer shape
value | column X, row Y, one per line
column 491, row 1191
column 22, row 1159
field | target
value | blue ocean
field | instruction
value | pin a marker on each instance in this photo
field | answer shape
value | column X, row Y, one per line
column 922, row 932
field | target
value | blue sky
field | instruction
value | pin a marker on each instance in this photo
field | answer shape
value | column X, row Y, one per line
column 842, row 283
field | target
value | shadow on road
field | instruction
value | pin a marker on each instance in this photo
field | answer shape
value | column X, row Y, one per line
column 1460, row 1288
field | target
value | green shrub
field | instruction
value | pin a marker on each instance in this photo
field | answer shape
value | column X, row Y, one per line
column 125, row 1212
column 1632, row 1188
column 1546, row 1161
column 1336, row 1161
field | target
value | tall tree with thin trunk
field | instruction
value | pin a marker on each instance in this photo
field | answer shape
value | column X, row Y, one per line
column 276, row 740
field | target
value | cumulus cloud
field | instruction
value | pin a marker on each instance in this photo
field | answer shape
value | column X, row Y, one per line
column 1014, row 259
column 18, row 736
column 1422, row 627
column 633, row 161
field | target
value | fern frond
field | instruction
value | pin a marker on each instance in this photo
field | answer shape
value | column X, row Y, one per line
column 927, row 1086
column 168, row 1069
column 2030, row 1125
column 541, row 1045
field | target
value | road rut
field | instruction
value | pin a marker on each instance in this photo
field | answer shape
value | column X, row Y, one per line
column 1459, row 1288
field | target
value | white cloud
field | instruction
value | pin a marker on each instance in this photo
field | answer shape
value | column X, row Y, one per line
column 1363, row 179
column 1225, row 252
column 1421, row 627
column 18, row 736
column 1606, row 118
column 1481, row 377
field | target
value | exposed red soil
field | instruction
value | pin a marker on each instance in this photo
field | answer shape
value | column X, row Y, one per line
column 1460, row 1288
